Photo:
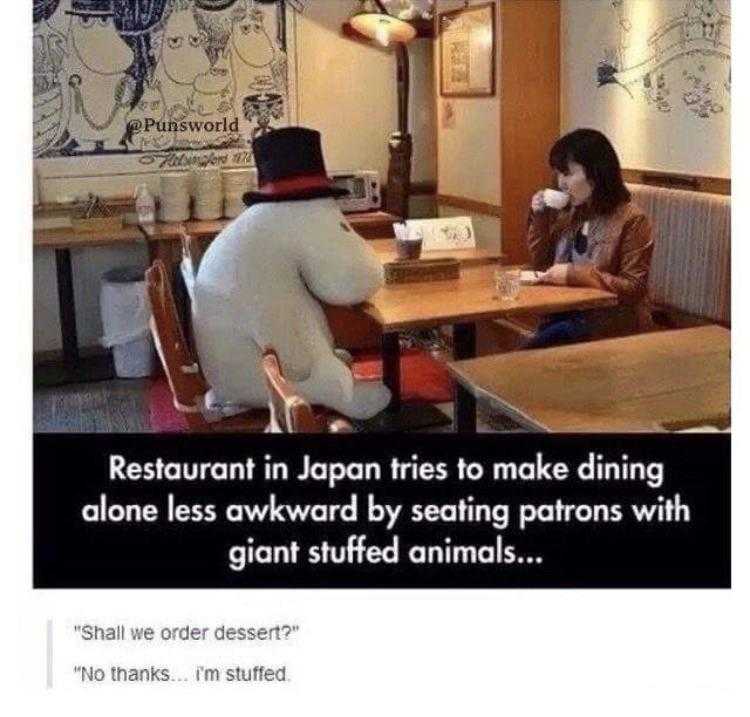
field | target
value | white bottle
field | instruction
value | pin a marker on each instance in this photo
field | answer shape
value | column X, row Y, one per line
column 145, row 206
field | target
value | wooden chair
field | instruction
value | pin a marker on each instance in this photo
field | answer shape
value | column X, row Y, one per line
column 290, row 412
column 191, row 257
column 186, row 381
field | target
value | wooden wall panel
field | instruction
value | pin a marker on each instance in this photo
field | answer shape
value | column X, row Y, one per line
column 670, row 180
column 530, row 109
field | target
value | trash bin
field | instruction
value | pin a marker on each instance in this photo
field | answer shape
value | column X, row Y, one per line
column 125, row 317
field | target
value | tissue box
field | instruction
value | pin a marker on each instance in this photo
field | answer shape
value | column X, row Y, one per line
column 406, row 272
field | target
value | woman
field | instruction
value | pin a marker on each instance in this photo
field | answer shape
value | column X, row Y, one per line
column 601, row 239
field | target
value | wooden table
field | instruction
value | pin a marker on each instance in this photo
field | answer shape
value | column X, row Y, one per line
column 386, row 251
column 460, row 302
column 649, row 382
column 65, row 238
column 373, row 225
column 206, row 228
column 75, row 369
column 164, row 238
column 370, row 225
column 163, row 241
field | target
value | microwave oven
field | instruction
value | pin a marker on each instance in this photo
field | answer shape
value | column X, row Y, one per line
column 363, row 187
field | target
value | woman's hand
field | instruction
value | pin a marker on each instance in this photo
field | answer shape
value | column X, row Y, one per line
column 557, row 274
column 538, row 204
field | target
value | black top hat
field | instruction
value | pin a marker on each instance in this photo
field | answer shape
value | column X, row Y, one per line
column 290, row 167
column 99, row 8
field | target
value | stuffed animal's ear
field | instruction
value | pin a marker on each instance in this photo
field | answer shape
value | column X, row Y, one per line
column 275, row 325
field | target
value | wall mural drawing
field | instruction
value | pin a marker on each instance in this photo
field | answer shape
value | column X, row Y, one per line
column 160, row 83
column 683, row 61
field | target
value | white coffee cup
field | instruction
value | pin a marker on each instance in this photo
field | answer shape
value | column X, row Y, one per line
column 555, row 199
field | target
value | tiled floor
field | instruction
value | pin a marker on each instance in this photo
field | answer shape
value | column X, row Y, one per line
column 105, row 407
column 120, row 406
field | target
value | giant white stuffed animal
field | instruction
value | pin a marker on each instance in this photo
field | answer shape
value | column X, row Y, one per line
column 260, row 283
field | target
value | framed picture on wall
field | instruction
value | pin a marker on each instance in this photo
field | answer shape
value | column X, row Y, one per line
column 467, row 51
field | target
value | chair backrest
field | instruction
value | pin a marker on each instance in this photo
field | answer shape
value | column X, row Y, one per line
column 290, row 412
column 690, row 269
column 183, row 373
column 191, row 248
column 191, row 257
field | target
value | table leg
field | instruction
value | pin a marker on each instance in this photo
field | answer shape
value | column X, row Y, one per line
column 465, row 404
column 397, row 416
column 391, row 353
column 67, row 307
column 74, row 369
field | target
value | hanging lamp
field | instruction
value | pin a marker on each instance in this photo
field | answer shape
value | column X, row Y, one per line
column 372, row 20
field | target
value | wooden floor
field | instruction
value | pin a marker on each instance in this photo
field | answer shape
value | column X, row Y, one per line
column 120, row 406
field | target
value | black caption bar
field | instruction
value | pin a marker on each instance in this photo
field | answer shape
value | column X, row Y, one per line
column 417, row 511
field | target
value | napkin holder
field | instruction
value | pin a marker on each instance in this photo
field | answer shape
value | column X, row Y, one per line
column 411, row 271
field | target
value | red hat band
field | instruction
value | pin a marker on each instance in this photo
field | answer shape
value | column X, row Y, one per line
column 292, row 185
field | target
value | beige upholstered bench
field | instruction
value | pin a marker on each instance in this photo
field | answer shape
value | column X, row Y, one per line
column 690, row 271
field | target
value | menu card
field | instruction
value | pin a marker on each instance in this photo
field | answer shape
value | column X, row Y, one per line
column 442, row 234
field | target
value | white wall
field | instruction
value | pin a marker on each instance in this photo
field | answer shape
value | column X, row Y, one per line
column 469, row 152
column 347, row 90
column 658, row 127
column 469, row 149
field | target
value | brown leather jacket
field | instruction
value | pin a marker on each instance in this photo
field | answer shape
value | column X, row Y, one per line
column 621, row 245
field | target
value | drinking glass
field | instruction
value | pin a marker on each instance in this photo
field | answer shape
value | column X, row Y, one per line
column 507, row 284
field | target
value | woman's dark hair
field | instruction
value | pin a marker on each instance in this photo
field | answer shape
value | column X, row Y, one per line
column 595, row 153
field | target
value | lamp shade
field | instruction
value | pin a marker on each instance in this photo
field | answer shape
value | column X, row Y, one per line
column 378, row 25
